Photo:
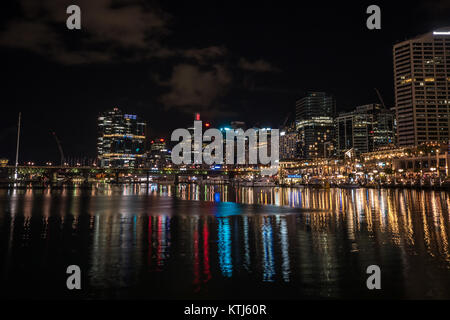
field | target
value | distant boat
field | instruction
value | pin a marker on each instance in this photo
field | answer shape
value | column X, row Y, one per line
column 318, row 183
column 264, row 184
column 372, row 184
column 349, row 185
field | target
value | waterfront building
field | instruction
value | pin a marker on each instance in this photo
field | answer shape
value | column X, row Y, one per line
column 429, row 157
column 296, row 171
column 121, row 140
column 289, row 143
column 365, row 129
column 382, row 159
column 235, row 126
column 422, row 88
column 194, row 152
column 158, row 156
column 315, row 126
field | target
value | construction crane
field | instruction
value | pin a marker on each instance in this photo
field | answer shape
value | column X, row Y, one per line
column 381, row 99
column 286, row 120
column 59, row 147
column 394, row 138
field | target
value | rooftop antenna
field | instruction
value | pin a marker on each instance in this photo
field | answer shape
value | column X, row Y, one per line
column 17, row 146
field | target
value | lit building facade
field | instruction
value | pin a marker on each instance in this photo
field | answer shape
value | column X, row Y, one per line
column 430, row 157
column 3, row 162
column 289, row 143
column 365, row 129
column 422, row 84
column 315, row 125
column 194, row 152
column 158, row 155
column 121, row 140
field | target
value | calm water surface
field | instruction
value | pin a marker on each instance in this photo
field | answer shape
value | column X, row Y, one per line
column 189, row 242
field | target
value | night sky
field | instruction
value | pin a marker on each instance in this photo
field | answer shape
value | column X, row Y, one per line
column 230, row 60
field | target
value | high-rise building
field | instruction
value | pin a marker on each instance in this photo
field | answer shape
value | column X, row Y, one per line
column 194, row 152
column 249, row 147
column 289, row 142
column 158, row 155
column 422, row 87
column 234, row 126
column 121, row 140
column 314, row 122
column 365, row 129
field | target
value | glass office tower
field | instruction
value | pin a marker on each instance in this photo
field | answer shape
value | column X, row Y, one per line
column 121, row 140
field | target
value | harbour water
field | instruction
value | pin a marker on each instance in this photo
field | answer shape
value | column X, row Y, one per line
column 214, row 242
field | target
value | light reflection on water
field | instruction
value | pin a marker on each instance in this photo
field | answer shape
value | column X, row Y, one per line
column 216, row 241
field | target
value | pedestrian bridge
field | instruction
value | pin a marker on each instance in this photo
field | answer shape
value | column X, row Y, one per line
column 44, row 174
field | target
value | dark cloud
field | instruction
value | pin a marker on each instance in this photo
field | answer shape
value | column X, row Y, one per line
column 204, row 55
column 257, row 66
column 121, row 31
column 107, row 28
column 194, row 88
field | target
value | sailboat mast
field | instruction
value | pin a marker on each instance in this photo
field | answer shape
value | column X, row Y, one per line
column 18, row 142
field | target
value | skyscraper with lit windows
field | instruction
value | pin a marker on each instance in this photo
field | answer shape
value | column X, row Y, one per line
column 158, row 156
column 315, row 125
column 365, row 129
column 289, row 141
column 422, row 87
column 121, row 140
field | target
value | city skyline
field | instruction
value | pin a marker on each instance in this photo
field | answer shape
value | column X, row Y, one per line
column 257, row 84
column 322, row 108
